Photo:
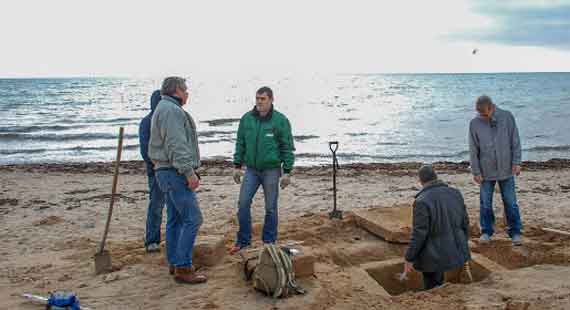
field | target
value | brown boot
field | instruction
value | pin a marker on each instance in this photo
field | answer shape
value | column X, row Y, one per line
column 189, row 276
column 171, row 269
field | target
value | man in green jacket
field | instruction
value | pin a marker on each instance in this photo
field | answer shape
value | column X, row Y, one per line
column 265, row 146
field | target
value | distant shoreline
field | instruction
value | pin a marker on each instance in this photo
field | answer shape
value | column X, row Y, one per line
column 223, row 167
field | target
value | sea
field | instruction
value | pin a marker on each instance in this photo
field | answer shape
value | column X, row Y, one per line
column 376, row 118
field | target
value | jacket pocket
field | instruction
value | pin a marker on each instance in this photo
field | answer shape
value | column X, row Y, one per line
column 270, row 145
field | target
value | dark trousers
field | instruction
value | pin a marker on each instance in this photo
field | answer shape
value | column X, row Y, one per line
column 432, row 279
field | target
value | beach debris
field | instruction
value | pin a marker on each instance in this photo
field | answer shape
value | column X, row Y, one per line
column 50, row 220
column 111, row 277
column 556, row 231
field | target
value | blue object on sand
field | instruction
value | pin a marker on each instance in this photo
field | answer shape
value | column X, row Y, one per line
column 63, row 300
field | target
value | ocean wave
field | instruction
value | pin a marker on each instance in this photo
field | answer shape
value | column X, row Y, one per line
column 115, row 120
column 305, row 137
column 121, row 120
column 33, row 128
column 221, row 121
column 352, row 156
column 357, row 134
column 28, row 151
column 214, row 133
column 70, row 149
column 547, row 148
column 62, row 137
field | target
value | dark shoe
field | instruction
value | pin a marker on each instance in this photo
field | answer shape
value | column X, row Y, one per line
column 189, row 276
column 171, row 270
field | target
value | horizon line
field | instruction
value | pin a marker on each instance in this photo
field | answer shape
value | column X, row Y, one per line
column 15, row 77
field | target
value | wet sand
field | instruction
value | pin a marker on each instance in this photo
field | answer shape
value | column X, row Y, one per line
column 52, row 217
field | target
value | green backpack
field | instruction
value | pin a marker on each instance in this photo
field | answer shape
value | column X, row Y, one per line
column 274, row 273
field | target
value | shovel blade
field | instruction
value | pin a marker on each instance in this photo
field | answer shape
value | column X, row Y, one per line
column 103, row 262
column 336, row 214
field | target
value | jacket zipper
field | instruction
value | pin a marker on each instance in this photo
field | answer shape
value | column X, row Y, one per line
column 256, row 144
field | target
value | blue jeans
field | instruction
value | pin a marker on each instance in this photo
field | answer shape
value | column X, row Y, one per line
column 486, row 214
column 154, row 212
column 183, row 217
column 253, row 178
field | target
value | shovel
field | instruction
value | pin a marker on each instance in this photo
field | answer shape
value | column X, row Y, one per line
column 102, row 257
column 333, row 145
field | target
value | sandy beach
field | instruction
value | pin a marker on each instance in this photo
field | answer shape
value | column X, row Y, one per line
column 52, row 217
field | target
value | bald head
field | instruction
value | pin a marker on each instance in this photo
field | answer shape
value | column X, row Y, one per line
column 427, row 174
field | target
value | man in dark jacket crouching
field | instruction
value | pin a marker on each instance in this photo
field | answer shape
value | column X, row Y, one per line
column 441, row 230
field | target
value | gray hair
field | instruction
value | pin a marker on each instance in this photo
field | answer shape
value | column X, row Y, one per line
column 484, row 101
column 171, row 83
column 427, row 174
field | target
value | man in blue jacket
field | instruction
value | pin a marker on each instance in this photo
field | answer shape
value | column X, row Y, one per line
column 157, row 200
column 440, row 235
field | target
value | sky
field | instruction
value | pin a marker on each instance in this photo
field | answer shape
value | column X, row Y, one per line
column 150, row 38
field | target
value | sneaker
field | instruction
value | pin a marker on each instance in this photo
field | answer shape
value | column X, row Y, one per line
column 153, row 247
column 485, row 238
column 517, row 241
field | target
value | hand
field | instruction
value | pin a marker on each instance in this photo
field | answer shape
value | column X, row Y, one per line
column 193, row 182
column 237, row 175
column 285, row 180
column 408, row 267
column 478, row 179
column 517, row 170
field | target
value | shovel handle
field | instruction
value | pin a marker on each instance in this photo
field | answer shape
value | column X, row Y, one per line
column 333, row 145
column 113, row 191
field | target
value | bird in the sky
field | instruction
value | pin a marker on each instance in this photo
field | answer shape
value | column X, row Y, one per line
column 475, row 51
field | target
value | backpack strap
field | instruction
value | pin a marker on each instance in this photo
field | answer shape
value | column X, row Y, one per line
column 288, row 265
column 279, row 268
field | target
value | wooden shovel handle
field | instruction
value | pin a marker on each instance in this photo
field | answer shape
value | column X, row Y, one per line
column 114, row 190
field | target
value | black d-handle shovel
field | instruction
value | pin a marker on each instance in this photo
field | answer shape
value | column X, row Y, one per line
column 333, row 145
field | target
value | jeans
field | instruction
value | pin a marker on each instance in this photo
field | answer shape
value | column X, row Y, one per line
column 154, row 212
column 183, row 217
column 432, row 279
column 486, row 214
column 269, row 180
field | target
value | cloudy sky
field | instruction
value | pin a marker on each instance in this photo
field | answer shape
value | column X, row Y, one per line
column 143, row 38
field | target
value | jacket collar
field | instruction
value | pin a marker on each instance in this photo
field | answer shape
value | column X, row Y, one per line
column 266, row 117
column 430, row 185
column 176, row 100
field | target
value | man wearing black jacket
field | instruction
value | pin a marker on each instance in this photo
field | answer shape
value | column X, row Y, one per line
column 441, row 230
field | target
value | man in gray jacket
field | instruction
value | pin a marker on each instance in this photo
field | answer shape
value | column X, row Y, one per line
column 173, row 148
column 495, row 151
column 441, row 230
